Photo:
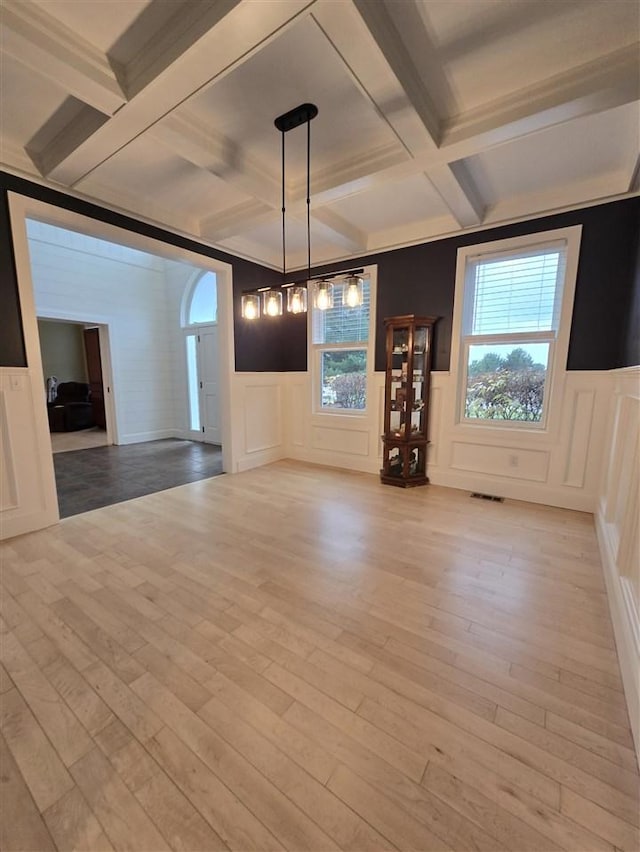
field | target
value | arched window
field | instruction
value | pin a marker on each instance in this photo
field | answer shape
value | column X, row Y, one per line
column 203, row 304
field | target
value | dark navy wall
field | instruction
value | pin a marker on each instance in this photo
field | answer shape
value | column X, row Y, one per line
column 631, row 340
column 421, row 280
column 418, row 279
column 265, row 350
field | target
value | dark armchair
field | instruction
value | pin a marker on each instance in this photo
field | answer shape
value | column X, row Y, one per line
column 71, row 409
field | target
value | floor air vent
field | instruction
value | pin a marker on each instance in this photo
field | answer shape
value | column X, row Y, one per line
column 491, row 497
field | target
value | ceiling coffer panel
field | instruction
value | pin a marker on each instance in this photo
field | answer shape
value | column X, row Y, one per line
column 433, row 117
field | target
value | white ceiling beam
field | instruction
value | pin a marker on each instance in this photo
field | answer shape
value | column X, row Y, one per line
column 338, row 231
column 207, row 149
column 40, row 42
column 634, row 180
column 235, row 220
column 596, row 86
column 382, row 28
column 609, row 82
column 371, row 48
column 203, row 146
column 243, row 30
column 613, row 81
column 457, row 190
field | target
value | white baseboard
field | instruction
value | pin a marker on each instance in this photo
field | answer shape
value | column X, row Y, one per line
column 626, row 626
column 157, row 435
column 259, row 458
column 330, row 458
column 530, row 492
column 19, row 524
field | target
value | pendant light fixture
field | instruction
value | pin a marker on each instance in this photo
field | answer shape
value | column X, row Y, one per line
column 250, row 305
column 272, row 303
column 323, row 295
column 305, row 113
column 353, row 291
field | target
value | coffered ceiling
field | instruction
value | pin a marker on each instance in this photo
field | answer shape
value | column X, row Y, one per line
column 434, row 116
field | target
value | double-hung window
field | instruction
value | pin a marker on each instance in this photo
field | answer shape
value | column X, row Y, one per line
column 513, row 304
column 341, row 352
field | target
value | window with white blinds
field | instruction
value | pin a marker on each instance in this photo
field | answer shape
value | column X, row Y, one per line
column 510, row 319
column 340, row 343
column 515, row 293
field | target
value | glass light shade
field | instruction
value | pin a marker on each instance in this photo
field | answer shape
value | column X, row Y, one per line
column 272, row 303
column 323, row 296
column 250, row 306
column 297, row 300
column 353, row 291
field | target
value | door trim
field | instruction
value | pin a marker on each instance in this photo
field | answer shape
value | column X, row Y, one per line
column 103, row 325
column 22, row 207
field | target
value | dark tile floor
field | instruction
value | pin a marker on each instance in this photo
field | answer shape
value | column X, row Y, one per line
column 101, row 476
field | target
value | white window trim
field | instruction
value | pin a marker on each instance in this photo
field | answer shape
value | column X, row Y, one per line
column 556, row 370
column 314, row 352
column 187, row 297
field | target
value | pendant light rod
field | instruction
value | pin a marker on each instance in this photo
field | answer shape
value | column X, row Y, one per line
column 284, row 236
column 309, row 198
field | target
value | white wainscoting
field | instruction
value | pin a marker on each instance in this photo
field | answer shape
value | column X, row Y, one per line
column 618, row 536
column 346, row 441
column 259, row 433
column 558, row 467
column 27, row 492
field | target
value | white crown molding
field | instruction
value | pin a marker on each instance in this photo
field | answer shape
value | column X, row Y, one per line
column 425, row 231
column 39, row 41
column 578, row 194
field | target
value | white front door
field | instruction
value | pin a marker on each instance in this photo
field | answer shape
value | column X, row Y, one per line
column 208, row 377
column 203, row 384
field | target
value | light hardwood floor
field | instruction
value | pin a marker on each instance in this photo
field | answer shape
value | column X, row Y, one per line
column 301, row 658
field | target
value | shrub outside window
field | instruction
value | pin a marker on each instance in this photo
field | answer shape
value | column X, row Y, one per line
column 340, row 351
column 511, row 316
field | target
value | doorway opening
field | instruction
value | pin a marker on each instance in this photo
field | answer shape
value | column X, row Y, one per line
column 76, row 369
column 127, row 303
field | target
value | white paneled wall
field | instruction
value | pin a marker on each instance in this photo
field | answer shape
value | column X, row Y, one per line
column 559, row 468
column 617, row 525
column 27, row 500
column 90, row 279
column 258, row 418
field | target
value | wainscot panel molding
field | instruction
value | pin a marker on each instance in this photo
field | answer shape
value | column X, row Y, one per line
column 258, row 418
column 560, row 467
column 27, row 493
column 618, row 535
column 512, row 462
column 337, row 440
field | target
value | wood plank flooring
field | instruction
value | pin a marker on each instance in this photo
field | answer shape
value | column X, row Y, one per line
column 301, row 658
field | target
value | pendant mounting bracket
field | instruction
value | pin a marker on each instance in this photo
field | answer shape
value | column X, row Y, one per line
column 295, row 117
